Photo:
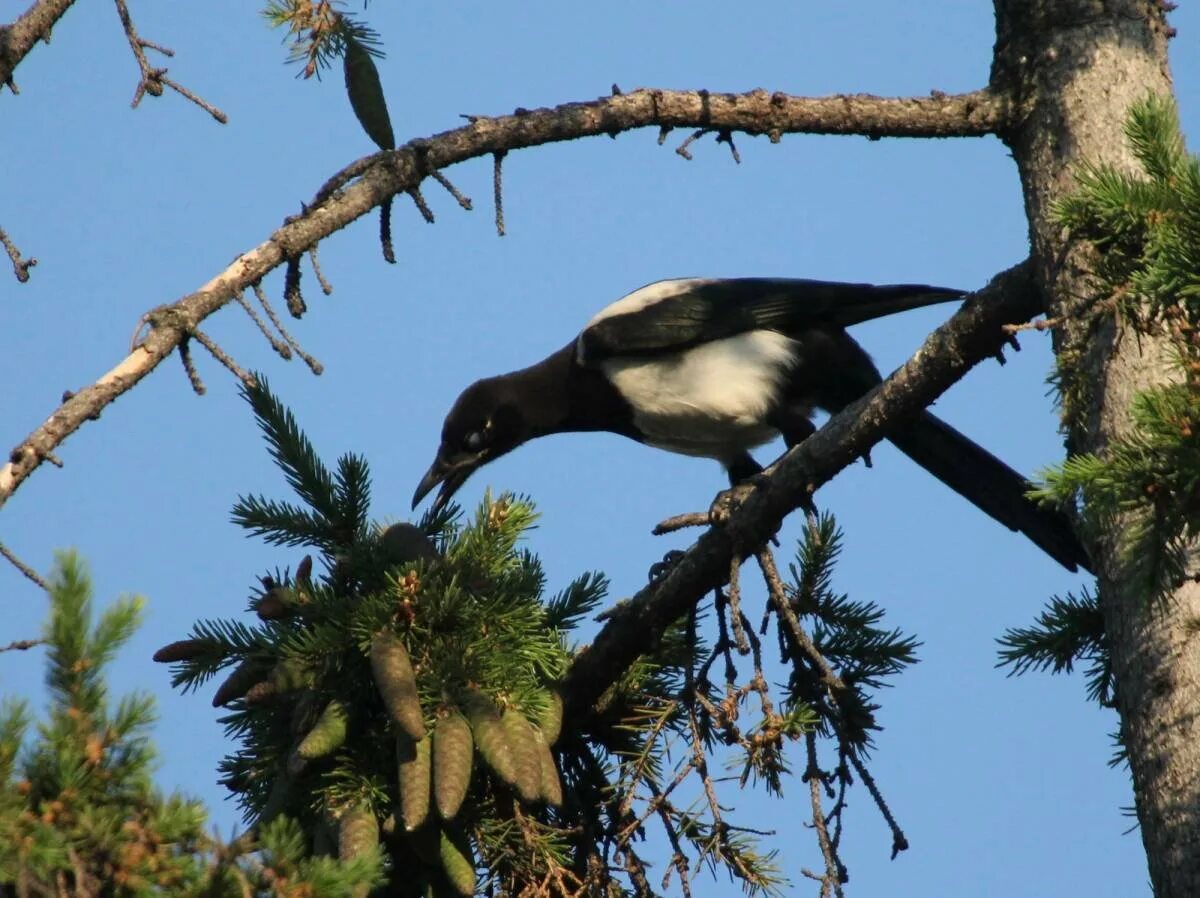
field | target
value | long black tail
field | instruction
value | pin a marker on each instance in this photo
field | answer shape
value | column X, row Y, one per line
column 993, row 487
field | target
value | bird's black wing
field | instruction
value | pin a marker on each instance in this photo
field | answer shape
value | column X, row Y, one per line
column 687, row 313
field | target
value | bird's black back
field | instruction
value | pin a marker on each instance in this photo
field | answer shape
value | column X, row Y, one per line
column 701, row 311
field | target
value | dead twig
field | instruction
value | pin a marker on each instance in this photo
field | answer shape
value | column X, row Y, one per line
column 680, row 521
column 460, row 198
column 1041, row 324
column 21, row 645
column 313, row 365
column 21, row 566
column 20, row 266
column 153, row 79
column 497, row 195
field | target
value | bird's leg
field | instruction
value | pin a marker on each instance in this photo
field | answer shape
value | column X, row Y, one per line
column 794, row 422
column 796, row 426
column 745, row 474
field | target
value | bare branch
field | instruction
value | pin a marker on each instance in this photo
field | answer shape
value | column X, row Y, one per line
column 385, row 174
column 17, row 39
column 21, row 645
column 20, row 266
column 153, row 80
column 21, row 566
column 971, row 335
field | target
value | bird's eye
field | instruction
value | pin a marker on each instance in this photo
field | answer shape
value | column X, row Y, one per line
column 473, row 441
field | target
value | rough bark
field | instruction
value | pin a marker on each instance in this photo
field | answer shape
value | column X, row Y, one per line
column 1074, row 67
column 17, row 39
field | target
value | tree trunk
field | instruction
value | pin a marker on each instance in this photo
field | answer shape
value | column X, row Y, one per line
column 1074, row 67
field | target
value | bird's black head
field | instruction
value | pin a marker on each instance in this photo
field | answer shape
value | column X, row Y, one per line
column 483, row 424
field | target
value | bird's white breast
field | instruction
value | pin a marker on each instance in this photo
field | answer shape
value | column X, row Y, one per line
column 710, row 400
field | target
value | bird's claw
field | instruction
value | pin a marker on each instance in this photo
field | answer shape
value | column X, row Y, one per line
column 727, row 501
column 660, row 569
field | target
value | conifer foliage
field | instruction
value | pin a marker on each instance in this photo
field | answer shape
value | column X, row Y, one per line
column 401, row 696
column 77, row 810
column 398, row 699
column 1146, row 228
column 79, row 814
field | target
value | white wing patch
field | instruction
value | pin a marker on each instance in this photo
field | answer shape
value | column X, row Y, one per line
column 710, row 400
column 647, row 296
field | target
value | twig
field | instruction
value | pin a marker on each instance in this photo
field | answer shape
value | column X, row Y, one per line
column 777, row 597
column 314, row 366
column 153, row 80
column 726, row 136
column 497, row 194
column 189, row 367
column 385, row 231
column 291, row 288
column 682, row 149
column 460, row 198
column 281, row 348
column 680, row 521
column 423, row 207
column 1040, row 324
column 21, row 645
column 831, row 881
column 21, row 566
column 221, row 356
column 326, row 287
column 20, row 266
column 735, row 607
column 899, row 842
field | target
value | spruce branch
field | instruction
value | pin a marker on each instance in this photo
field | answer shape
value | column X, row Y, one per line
column 1070, row 630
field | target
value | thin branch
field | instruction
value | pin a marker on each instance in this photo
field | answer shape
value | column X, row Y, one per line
column 680, row 521
column 17, row 39
column 153, row 80
column 831, row 881
column 326, row 287
column 970, row 336
column 223, row 357
column 281, row 348
column 21, row 566
column 385, row 231
column 459, row 197
column 20, row 266
column 497, row 190
column 21, row 645
column 757, row 112
column 899, row 840
column 189, row 368
column 313, row 365
column 418, row 198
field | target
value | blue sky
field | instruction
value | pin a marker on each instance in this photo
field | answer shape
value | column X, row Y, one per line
column 1001, row 785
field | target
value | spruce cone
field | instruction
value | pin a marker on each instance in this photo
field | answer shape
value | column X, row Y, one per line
column 397, row 684
column 413, row 776
column 453, row 751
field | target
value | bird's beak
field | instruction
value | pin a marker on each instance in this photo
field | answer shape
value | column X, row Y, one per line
column 451, row 476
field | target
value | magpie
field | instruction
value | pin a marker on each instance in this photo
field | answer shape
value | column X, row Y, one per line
column 716, row 367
